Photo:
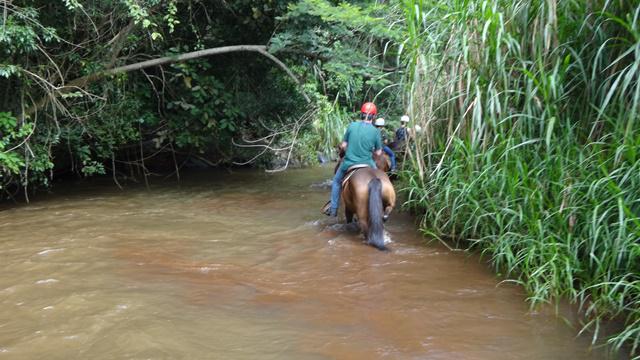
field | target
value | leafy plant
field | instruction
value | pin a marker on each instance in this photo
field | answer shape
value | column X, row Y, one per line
column 529, row 149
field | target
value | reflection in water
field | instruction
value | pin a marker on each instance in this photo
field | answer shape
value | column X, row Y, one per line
column 243, row 266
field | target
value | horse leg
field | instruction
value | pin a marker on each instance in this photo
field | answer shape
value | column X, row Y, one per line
column 364, row 227
column 387, row 212
column 363, row 220
column 349, row 215
column 389, row 201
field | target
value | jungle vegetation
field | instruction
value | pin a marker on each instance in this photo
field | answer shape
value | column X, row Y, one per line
column 528, row 151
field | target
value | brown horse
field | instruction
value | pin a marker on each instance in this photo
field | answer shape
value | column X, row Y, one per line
column 383, row 162
column 370, row 196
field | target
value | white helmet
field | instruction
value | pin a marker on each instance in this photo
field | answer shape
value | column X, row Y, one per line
column 404, row 118
column 379, row 122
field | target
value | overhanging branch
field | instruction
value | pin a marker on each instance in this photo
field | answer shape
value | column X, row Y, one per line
column 82, row 82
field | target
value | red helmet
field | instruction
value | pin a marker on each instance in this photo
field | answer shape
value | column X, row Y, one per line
column 369, row 108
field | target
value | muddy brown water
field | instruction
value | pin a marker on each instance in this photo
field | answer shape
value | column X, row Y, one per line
column 243, row 266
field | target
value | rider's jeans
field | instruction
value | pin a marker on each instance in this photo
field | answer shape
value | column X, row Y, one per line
column 336, row 187
column 392, row 156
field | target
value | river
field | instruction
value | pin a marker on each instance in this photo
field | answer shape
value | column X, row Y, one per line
column 242, row 265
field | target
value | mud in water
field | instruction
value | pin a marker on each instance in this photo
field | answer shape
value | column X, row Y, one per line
column 243, row 266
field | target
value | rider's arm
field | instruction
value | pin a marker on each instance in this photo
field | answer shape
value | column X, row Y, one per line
column 343, row 145
column 378, row 146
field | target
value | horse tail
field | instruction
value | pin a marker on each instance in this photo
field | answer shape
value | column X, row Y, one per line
column 375, row 234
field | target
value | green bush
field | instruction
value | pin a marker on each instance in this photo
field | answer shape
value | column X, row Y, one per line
column 530, row 148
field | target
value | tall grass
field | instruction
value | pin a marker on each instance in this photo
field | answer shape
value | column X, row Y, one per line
column 531, row 145
column 329, row 125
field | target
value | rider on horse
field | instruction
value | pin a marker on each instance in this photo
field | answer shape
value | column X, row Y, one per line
column 379, row 124
column 360, row 140
column 402, row 133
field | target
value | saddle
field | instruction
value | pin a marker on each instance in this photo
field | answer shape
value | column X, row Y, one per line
column 350, row 171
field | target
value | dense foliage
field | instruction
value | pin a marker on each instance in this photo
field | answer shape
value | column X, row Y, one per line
column 530, row 152
column 58, row 117
column 62, row 114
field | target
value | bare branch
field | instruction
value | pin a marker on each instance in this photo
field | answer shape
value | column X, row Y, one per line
column 268, row 140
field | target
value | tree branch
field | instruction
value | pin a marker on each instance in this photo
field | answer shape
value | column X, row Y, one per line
column 85, row 80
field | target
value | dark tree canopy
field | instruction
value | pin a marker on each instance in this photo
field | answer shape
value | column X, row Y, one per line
column 92, row 87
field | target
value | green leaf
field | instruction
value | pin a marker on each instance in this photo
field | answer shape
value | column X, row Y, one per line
column 550, row 125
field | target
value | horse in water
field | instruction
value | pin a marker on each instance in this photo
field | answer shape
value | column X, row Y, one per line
column 369, row 195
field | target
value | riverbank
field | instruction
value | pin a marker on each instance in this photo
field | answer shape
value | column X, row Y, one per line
column 561, row 224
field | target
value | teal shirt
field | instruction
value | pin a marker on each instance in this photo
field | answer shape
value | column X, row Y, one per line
column 362, row 139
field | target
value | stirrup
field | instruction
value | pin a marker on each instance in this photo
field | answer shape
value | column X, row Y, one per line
column 326, row 209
